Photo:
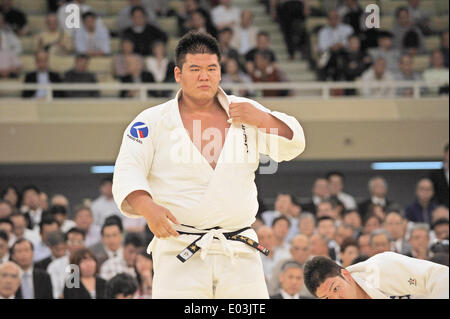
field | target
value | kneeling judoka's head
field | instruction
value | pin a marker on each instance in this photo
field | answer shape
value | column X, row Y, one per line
column 198, row 66
column 327, row 280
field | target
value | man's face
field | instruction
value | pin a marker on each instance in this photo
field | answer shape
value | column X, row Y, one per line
column 354, row 44
column 363, row 243
column 403, row 18
column 300, row 249
column 333, row 18
column 338, row 287
column 200, row 76
column 47, row 229
column 380, row 244
column 379, row 67
column 325, row 209
column 347, row 257
column 441, row 231
column 138, row 18
column 225, row 37
column 129, row 254
column 106, row 189
column 385, row 43
column 52, row 22
column 5, row 210
column 378, row 188
column 342, row 233
column 320, row 188
column 306, row 226
column 371, row 224
column 292, row 280
column 9, row 280
column 440, row 212
column 75, row 241
column 353, row 218
column 335, row 184
column 112, row 237
column 283, row 204
column 318, row 246
column 326, row 228
column 281, row 229
column 31, row 197
column 20, row 224
column 59, row 250
column 419, row 239
column 395, row 225
column 266, row 237
column 262, row 42
column 406, row 64
column 425, row 190
column 84, row 220
column 246, row 18
column 23, row 255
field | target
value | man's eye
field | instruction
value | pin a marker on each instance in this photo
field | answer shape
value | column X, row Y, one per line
column 335, row 289
column 212, row 69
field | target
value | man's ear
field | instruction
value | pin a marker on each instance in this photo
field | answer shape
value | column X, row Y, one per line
column 177, row 74
column 346, row 274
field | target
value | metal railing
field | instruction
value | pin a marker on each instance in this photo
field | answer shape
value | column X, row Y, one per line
column 419, row 88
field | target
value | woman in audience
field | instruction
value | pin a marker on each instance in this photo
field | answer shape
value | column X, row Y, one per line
column 126, row 49
column 159, row 65
column 234, row 75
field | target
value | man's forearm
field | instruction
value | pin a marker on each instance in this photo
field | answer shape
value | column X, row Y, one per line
column 141, row 201
column 270, row 122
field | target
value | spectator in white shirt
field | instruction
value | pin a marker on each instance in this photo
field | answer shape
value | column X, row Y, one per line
column 336, row 188
column 20, row 229
column 437, row 75
column 126, row 262
column 378, row 73
column 111, row 241
column 92, row 38
column 31, row 204
column 306, row 224
column 291, row 278
column 85, row 221
column 280, row 226
column 104, row 205
column 9, row 280
column 47, row 225
column 244, row 37
column 60, row 214
column 225, row 15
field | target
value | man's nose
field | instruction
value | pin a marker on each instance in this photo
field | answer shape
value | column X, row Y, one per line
column 203, row 75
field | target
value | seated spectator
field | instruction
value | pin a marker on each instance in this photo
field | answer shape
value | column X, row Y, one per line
column 439, row 212
column 4, row 247
column 104, row 205
column 319, row 246
column 141, row 33
column 15, row 18
column 378, row 189
column 306, row 224
column 199, row 22
column 126, row 49
column 121, row 286
column 371, row 223
column 225, row 36
column 336, row 188
column 59, row 212
column 85, row 221
column 355, row 61
column 420, row 16
column 349, row 250
column 35, row 282
column 266, row 71
column 126, row 262
column 319, row 193
column 326, row 227
column 9, row 40
column 92, row 39
column 91, row 286
column 441, row 229
column 262, row 44
column 54, row 40
column 57, row 246
column 379, row 242
column 234, row 75
column 184, row 17
column 79, row 74
column 111, row 240
column 74, row 240
column 420, row 210
column 60, row 200
column 10, row 194
column 244, row 34
column 343, row 231
column 225, row 15
column 419, row 239
column 444, row 48
column 280, row 227
column 9, row 62
column 31, row 204
column 283, row 205
column 363, row 244
column 135, row 74
column 292, row 17
column 353, row 218
column 325, row 209
column 21, row 230
column 47, row 226
column 332, row 40
column 9, row 280
column 144, row 275
column 407, row 37
column 42, row 75
column 159, row 65
column 124, row 20
column 395, row 223
column 291, row 279
column 386, row 51
column 406, row 73
column 437, row 74
column 377, row 73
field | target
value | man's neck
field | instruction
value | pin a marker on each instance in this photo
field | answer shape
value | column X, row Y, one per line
column 361, row 293
column 192, row 105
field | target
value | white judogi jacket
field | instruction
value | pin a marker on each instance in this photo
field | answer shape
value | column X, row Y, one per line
column 158, row 156
column 396, row 276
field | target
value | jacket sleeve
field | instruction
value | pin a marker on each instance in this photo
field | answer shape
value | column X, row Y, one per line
column 133, row 163
column 278, row 147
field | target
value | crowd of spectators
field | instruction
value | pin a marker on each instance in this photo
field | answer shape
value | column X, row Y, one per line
column 42, row 235
column 346, row 49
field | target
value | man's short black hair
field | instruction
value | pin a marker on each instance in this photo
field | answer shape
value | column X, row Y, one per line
column 282, row 217
column 74, row 230
column 440, row 221
column 111, row 221
column 324, row 218
column 57, row 209
column 121, row 284
column 195, row 42
column 134, row 240
column 4, row 235
column 47, row 219
column 138, row 8
column 31, row 187
column 17, row 242
column 319, row 269
column 263, row 33
column 88, row 14
column 332, row 173
column 6, row 220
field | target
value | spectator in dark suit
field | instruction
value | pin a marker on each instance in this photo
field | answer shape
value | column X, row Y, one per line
column 41, row 76
column 79, row 74
column 319, row 192
column 121, row 286
column 291, row 278
column 9, row 280
column 440, row 181
column 378, row 188
column 141, row 33
column 135, row 74
column 36, row 283
column 91, row 286
column 57, row 246
column 396, row 224
column 420, row 210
